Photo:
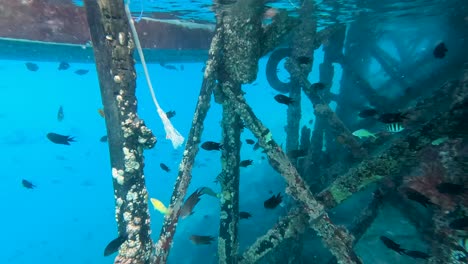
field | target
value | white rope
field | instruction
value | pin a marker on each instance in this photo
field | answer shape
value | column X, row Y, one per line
column 171, row 133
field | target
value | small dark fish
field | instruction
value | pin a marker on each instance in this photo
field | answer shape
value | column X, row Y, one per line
column 32, row 66
column 81, row 72
column 63, row 66
column 440, row 50
column 256, row 146
column 389, row 118
column 245, row 163
column 190, row 203
column 392, row 245
column 249, row 141
column 203, row 69
column 318, row 86
column 417, row 197
column 114, row 245
column 273, row 201
column 283, row 99
column 368, row 112
column 451, row 188
column 60, row 139
column 297, row 153
column 103, row 139
column 164, row 167
column 170, row 114
column 170, row 67
column 244, row 215
column 417, row 254
column 27, row 184
column 210, row 145
column 460, row 223
column 201, row 240
column 304, row 60
column 182, row 67
column 60, row 114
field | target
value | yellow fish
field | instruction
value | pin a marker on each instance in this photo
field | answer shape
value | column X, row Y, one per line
column 363, row 133
column 159, row 206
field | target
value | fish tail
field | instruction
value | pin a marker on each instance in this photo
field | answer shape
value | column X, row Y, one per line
column 221, row 146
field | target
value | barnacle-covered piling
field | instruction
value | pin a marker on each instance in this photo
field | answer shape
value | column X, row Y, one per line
column 336, row 239
column 127, row 133
column 184, row 175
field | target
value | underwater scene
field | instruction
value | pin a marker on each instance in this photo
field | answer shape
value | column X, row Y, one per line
column 234, row 131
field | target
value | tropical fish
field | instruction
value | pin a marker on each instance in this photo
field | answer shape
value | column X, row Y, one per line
column 245, row 163
column 450, row 188
column 390, row 118
column 81, row 72
column 440, row 50
column 210, row 145
column 273, row 201
column 418, row 197
column 363, row 133
column 460, row 223
column 283, row 99
column 114, row 245
column 244, row 215
column 317, row 86
column 32, row 66
column 439, row 141
column 159, row 206
column 368, row 112
column 63, row 66
column 60, row 114
column 249, row 141
column 392, row 245
column 304, row 60
column 394, row 127
column 103, row 139
column 60, row 139
column 208, row 191
column 101, row 112
column 27, row 184
column 164, row 167
column 416, row 254
column 201, row 240
column 256, row 146
column 170, row 114
column 170, row 67
column 190, row 203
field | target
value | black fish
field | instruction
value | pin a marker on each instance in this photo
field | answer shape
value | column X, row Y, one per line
column 210, row 145
column 103, row 139
column 283, row 99
column 451, row 188
column 81, row 72
column 392, row 245
column 303, row 60
column 245, row 163
column 440, row 50
column 368, row 112
column 417, row 254
column 273, row 201
column 63, row 66
column 170, row 114
column 416, row 196
column 189, row 204
column 32, row 66
column 201, row 240
column 389, row 118
column 28, row 184
column 460, row 223
column 317, row 86
column 244, row 215
column 60, row 139
column 249, row 141
column 60, row 114
column 297, row 153
column 170, row 67
column 164, row 167
column 114, row 245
